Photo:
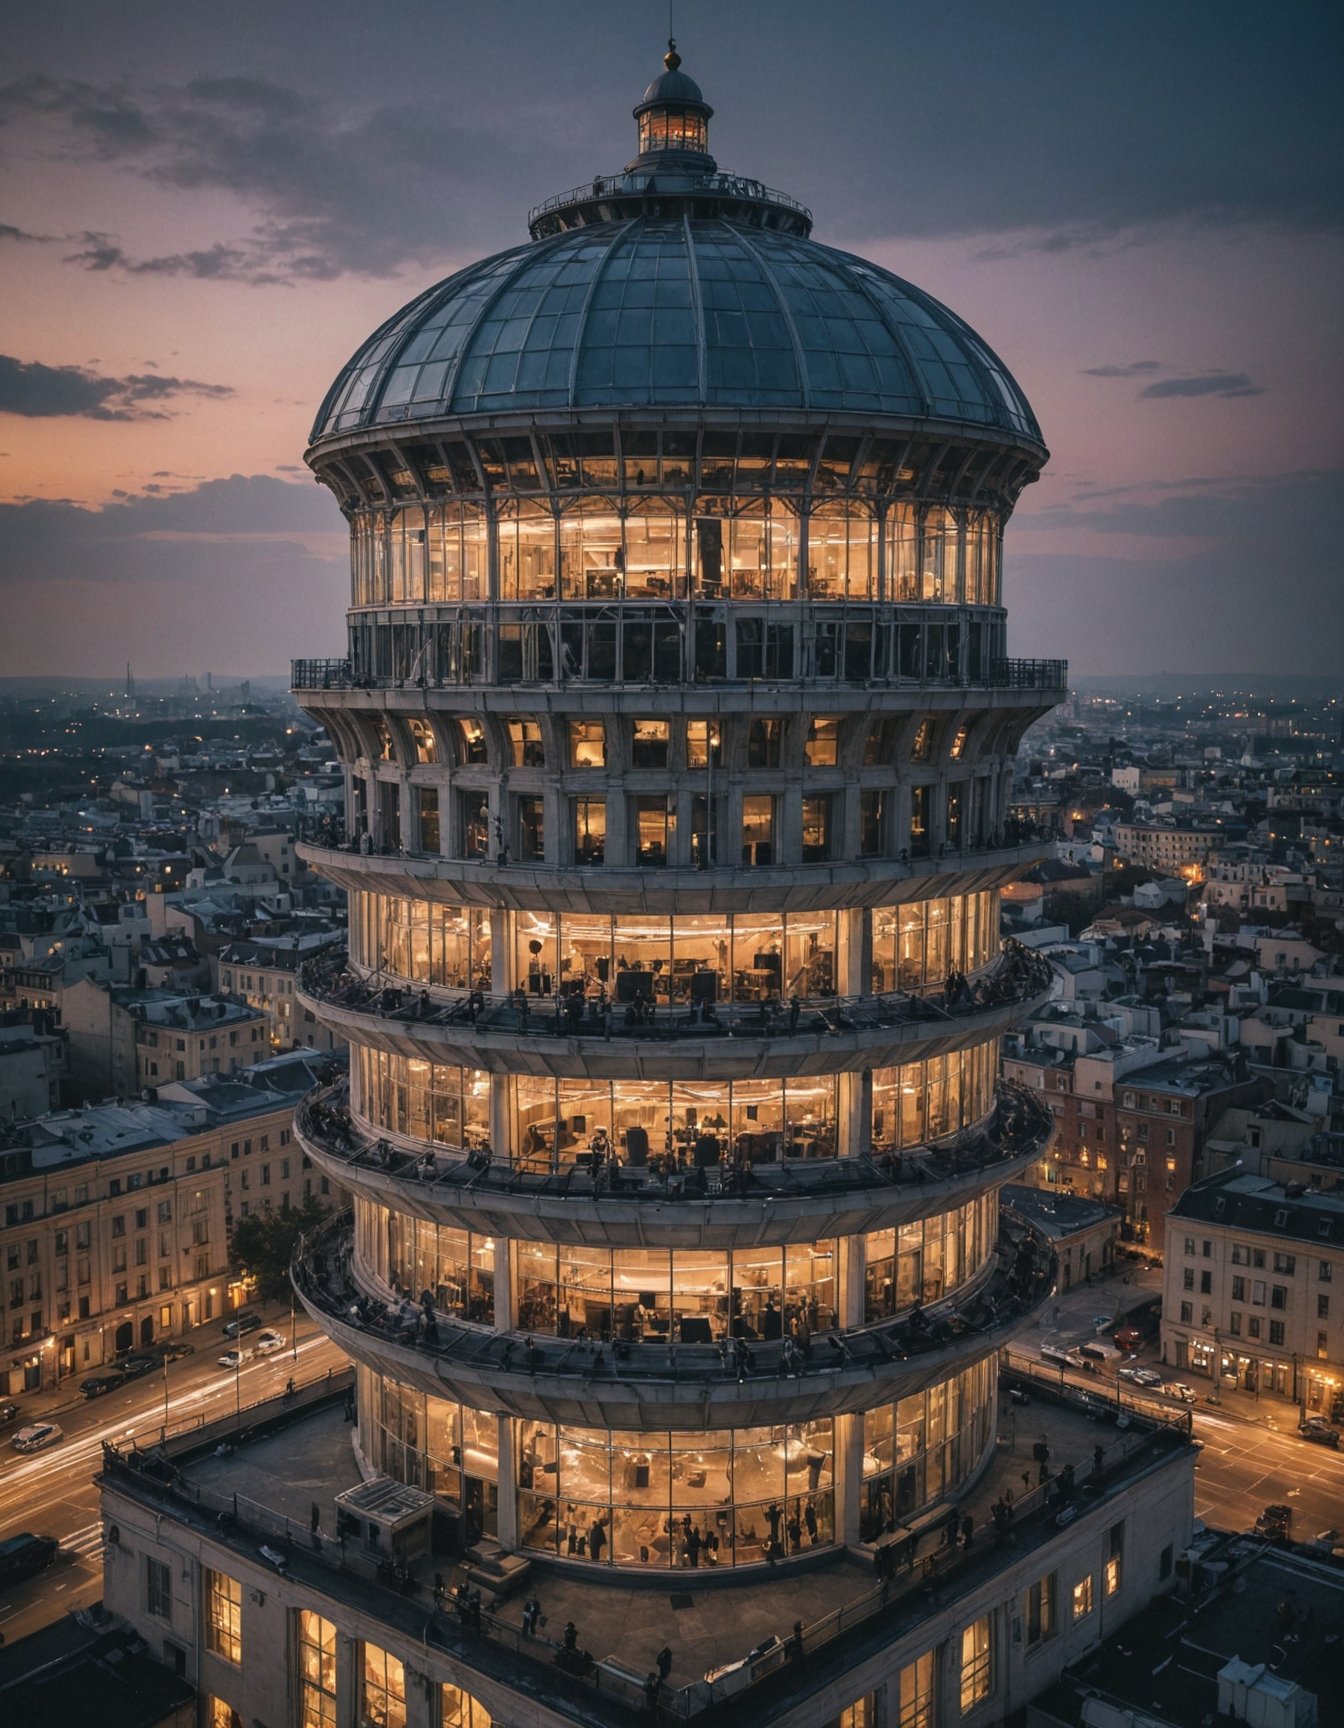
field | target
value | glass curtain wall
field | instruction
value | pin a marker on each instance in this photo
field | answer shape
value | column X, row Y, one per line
column 432, row 1101
column 456, row 1267
column 922, row 1101
column 921, row 1448
column 425, row 943
column 651, row 1296
column 929, row 1259
column 917, row 945
column 724, row 1497
column 595, row 547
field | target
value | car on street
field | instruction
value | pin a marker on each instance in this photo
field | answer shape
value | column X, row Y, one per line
column 1275, row 1523
column 235, row 1358
column 171, row 1352
column 1139, row 1376
column 267, row 1343
column 36, row 1436
column 137, row 1364
column 1316, row 1428
column 1179, row 1389
column 1060, row 1357
column 21, row 1556
column 1128, row 1338
column 241, row 1323
column 9, row 1412
column 98, row 1384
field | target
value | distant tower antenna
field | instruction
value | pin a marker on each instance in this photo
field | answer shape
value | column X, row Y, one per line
column 130, row 683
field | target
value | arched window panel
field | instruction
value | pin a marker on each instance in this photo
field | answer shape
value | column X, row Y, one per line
column 526, row 551
column 455, row 552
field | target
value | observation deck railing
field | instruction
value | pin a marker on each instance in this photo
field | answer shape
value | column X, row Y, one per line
column 988, row 1312
column 1018, row 976
column 734, row 188
column 1043, row 676
column 1016, row 1132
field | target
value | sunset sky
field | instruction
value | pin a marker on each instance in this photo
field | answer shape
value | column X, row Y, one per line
column 203, row 210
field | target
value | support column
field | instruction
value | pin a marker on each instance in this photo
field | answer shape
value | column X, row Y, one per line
column 856, row 951
column 501, row 953
column 504, row 1301
column 499, row 1117
column 348, row 1688
column 848, row 1476
column 849, row 1283
column 508, row 1498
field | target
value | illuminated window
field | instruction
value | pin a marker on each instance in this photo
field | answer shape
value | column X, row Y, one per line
column 923, row 744
column 1115, row 1551
column 384, row 1689
column 224, row 1616
column 458, row 1709
column 587, row 744
column 525, row 744
column 384, row 740
column 1082, row 1598
column 590, row 829
column 976, row 1666
column 426, row 745
column 915, row 1695
column 317, row 1671
column 862, row 1713
column 218, row 1714
column 959, row 743
column 702, row 744
column 471, row 749
column 816, row 830
column 822, row 749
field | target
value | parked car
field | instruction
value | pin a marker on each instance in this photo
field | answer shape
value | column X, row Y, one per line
column 267, row 1343
column 138, row 1364
column 235, row 1358
column 171, row 1352
column 1139, row 1376
column 1128, row 1339
column 241, row 1323
column 22, row 1556
column 1179, row 1389
column 1318, row 1429
column 36, row 1436
column 1275, row 1523
column 9, row 1412
column 97, row 1384
column 1062, row 1358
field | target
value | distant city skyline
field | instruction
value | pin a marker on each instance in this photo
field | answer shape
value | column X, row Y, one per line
column 202, row 215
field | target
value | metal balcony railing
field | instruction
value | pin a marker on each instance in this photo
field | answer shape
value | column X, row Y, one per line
column 1018, row 976
column 1016, row 1132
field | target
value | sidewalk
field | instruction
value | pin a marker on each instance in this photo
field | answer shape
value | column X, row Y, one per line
column 56, row 1401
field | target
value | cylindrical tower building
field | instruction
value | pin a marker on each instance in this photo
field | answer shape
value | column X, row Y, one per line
column 678, row 730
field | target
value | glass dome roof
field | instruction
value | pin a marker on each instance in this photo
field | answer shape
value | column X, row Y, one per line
column 674, row 311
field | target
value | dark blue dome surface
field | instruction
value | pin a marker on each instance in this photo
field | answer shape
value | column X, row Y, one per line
column 665, row 312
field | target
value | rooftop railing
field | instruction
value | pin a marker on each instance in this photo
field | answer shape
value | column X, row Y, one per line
column 606, row 187
column 920, row 1567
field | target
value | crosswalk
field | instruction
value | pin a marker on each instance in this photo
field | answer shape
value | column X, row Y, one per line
column 85, row 1544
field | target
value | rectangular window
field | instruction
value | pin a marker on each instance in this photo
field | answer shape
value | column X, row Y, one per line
column 976, row 1665
column 816, row 830
column 1322, row 1307
column 872, row 824
column 1276, row 1332
column 1238, row 1289
column 384, row 1689
column 1041, row 1610
column 1082, row 1598
column 703, row 744
column 1115, row 1553
column 649, row 744
column 1278, row 1296
column 1286, row 1263
column 1187, row 1313
column 1253, row 1326
column 427, row 817
column 587, row 744
column 317, row 1671
column 590, row 829
column 915, row 1699
column 822, row 747
column 158, row 1589
column 224, row 1616
column 651, row 829
column 531, row 831
column 758, row 829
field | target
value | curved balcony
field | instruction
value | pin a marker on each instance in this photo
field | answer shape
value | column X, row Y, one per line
column 571, row 1038
column 682, row 1386
column 607, row 888
column 714, row 1209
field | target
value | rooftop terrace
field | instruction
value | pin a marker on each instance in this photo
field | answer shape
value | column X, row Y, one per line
column 267, row 1487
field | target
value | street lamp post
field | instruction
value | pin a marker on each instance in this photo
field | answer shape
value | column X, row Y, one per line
column 238, row 1382
column 165, row 1398
column 293, row 1328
